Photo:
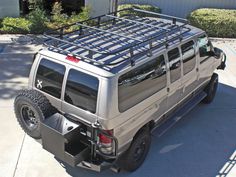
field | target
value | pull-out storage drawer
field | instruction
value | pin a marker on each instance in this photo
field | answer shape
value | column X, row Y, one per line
column 62, row 138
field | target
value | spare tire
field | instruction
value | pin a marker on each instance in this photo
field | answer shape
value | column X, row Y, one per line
column 32, row 107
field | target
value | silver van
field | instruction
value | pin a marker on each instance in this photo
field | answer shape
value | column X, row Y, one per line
column 99, row 87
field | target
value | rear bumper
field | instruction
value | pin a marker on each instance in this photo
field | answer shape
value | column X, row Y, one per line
column 75, row 143
column 95, row 167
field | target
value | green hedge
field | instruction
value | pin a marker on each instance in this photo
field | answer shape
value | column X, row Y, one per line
column 38, row 22
column 137, row 6
column 216, row 22
column 15, row 25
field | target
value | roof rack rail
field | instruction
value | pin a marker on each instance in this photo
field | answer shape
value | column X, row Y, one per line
column 131, row 36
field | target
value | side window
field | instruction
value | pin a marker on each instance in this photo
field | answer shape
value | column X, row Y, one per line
column 189, row 60
column 175, row 66
column 82, row 90
column 140, row 83
column 49, row 77
column 204, row 48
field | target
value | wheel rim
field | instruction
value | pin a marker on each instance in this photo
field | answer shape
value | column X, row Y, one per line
column 139, row 151
column 29, row 117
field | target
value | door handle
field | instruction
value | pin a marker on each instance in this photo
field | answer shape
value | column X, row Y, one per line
column 168, row 89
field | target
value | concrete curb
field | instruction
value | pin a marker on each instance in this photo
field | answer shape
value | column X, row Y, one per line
column 222, row 39
column 22, row 39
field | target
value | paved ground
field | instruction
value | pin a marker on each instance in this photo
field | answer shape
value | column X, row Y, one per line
column 200, row 145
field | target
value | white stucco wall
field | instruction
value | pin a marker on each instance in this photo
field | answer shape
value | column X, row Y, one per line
column 99, row 7
column 9, row 8
column 182, row 8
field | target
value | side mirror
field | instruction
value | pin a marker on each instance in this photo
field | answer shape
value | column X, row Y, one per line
column 210, row 49
column 217, row 52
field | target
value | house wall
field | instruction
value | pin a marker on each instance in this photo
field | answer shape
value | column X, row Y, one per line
column 9, row 8
column 182, row 8
column 100, row 7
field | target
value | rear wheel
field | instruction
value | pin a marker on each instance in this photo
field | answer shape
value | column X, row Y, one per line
column 211, row 89
column 32, row 107
column 137, row 152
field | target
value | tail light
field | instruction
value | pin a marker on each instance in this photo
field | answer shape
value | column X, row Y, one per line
column 73, row 58
column 106, row 142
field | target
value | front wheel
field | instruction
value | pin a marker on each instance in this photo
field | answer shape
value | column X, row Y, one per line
column 211, row 89
column 137, row 152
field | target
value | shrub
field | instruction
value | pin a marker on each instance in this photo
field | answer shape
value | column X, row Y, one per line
column 57, row 15
column 38, row 21
column 59, row 19
column 85, row 13
column 15, row 25
column 33, row 4
column 138, row 6
column 216, row 22
column 82, row 16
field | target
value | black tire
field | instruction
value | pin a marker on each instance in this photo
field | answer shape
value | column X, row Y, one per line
column 134, row 157
column 211, row 89
column 32, row 107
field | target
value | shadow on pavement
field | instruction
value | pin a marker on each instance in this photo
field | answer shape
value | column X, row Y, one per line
column 14, row 68
column 199, row 145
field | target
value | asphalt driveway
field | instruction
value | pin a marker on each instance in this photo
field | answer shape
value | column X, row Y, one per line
column 202, row 144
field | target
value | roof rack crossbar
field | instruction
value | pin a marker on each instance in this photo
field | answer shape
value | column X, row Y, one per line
column 137, row 22
column 71, row 43
column 162, row 15
column 76, row 55
column 154, row 47
column 106, row 31
column 108, row 53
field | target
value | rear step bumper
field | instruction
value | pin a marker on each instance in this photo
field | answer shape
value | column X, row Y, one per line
column 69, row 142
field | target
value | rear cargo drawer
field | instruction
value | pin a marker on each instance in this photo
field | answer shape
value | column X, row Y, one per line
column 62, row 138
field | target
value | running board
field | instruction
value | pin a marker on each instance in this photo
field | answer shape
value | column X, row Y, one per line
column 161, row 128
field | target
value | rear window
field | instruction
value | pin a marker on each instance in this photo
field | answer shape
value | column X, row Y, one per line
column 49, row 77
column 82, row 90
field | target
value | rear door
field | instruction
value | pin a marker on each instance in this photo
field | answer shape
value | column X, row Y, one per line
column 49, row 80
column 81, row 95
column 174, row 81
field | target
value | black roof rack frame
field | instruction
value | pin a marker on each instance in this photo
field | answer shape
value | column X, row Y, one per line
column 55, row 39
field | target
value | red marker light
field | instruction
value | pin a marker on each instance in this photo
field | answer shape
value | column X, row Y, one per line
column 73, row 59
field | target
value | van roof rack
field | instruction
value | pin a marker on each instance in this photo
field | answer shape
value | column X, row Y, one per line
column 110, row 40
